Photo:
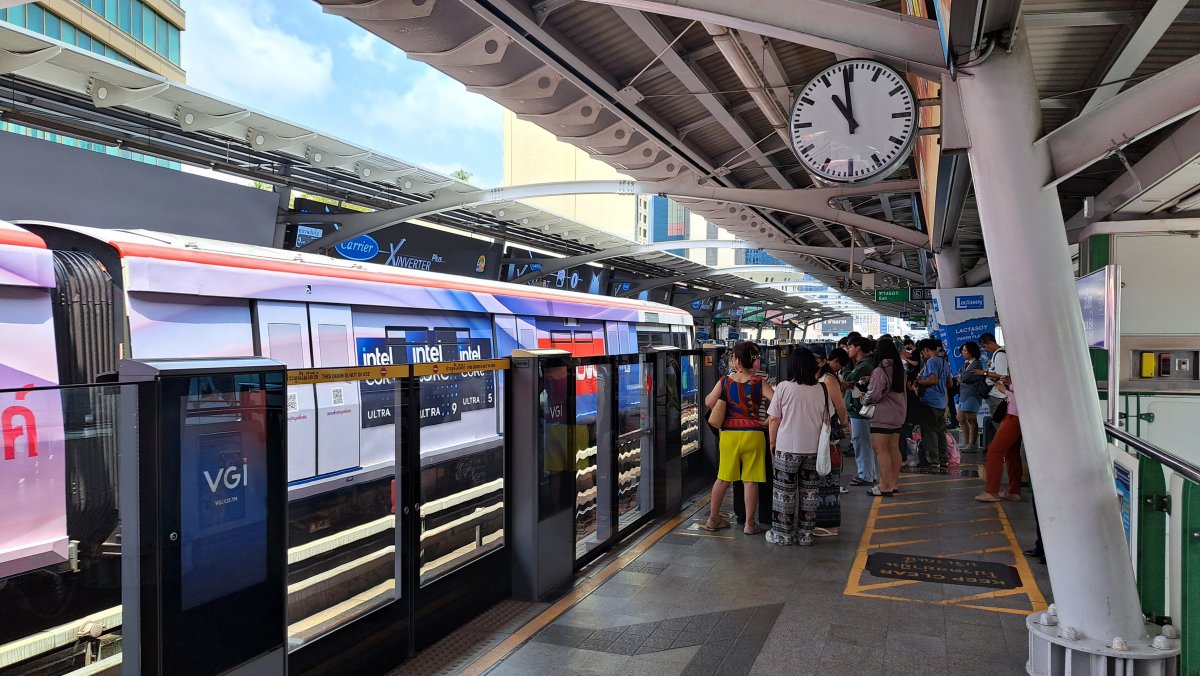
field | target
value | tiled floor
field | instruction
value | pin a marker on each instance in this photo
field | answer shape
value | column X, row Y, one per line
column 727, row 603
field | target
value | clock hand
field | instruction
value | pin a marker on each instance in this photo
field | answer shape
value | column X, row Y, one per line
column 848, row 111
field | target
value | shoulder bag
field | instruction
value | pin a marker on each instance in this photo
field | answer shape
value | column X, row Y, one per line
column 824, row 462
column 716, row 416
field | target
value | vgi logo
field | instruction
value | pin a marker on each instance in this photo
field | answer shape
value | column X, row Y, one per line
column 230, row 477
column 968, row 302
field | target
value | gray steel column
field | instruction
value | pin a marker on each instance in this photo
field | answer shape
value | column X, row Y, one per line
column 1023, row 231
column 949, row 268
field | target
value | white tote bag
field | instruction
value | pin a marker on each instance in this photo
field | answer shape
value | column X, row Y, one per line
column 824, row 462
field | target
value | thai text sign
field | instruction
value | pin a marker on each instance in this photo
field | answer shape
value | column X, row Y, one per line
column 943, row 571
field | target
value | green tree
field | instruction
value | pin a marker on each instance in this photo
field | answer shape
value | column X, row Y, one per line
column 462, row 175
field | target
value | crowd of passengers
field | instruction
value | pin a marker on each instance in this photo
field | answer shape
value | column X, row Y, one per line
column 879, row 396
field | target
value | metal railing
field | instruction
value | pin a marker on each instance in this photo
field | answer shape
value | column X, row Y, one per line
column 1166, row 458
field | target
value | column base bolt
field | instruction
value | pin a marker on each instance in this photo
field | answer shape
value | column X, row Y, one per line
column 1119, row 643
column 1048, row 620
column 1169, row 631
column 1069, row 633
column 1162, row 643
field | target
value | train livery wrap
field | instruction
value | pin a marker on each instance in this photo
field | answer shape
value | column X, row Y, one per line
column 74, row 300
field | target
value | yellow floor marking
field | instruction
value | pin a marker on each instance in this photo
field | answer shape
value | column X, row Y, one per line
column 894, row 529
column 898, row 544
column 1028, row 588
column 702, row 535
column 941, row 481
column 515, row 640
column 902, row 514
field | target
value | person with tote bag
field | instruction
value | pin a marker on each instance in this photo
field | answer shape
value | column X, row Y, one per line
column 889, row 403
column 798, row 424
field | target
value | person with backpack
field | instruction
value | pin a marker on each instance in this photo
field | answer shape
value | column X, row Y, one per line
column 743, row 446
column 934, row 377
column 860, row 350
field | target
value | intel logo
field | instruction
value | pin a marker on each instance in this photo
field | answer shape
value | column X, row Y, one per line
column 968, row 303
column 361, row 248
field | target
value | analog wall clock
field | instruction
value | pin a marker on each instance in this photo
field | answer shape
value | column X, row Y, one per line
column 855, row 122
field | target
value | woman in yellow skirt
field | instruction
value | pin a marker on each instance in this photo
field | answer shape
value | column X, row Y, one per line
column 743, row 444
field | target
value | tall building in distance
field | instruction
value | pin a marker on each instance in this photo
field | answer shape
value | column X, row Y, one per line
column 663, row 220
column 145, row 34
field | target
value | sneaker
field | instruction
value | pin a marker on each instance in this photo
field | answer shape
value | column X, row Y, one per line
column 805, row 541
column 987, row 497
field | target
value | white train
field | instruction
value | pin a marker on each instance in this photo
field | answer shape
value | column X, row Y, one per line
column 74, row 300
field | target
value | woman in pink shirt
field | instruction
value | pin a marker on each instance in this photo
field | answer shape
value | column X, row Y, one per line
column 1004, row 449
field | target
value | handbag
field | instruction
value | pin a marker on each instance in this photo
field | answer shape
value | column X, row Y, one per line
column 1000, row 412
column 824, row 462
column 716, row 416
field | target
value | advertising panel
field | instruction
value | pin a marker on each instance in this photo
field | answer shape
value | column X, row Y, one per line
column 1094, row 303
column 837, row 325
column 954, row 306
column 579, row 278
column 405, row 245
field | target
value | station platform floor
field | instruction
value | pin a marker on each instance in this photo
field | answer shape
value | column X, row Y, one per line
column 680, row 600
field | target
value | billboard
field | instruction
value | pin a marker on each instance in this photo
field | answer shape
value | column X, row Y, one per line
column 579, row 278
column 405, row 245
column 837, row 325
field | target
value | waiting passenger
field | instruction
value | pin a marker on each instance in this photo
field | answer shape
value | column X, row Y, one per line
column 802, row 407
column 829, row 511
column 932, row 420
column 860, row 428
column 887, row 392
column 1005, row 449
column 970, row 394
column 743, row 446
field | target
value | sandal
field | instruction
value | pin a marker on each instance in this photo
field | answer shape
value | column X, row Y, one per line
column 1015, row 497
column 721, row 524
column 824, row 533
column 874, row 490
column 859, row 482
column 754, row 530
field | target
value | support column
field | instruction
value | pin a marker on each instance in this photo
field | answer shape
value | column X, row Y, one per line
column 1026, row 242
column 949, row 268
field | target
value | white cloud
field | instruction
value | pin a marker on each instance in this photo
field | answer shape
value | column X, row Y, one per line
column 235, row 49
column 434, row 104
column 363, row 46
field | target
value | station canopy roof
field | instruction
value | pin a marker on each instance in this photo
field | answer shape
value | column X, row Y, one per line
column 685, row 89
column 61, row 89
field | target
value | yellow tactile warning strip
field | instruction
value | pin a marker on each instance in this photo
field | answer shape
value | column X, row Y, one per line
column 518, row 638
column 913, row 522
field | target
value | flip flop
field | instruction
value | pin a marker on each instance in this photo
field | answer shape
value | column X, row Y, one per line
column 823, row 533
column 756, row 530
column 859, row 482
column 722, row 524
column 874, row 490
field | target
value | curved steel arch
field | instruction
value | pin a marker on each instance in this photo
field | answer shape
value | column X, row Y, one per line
column 810, row 202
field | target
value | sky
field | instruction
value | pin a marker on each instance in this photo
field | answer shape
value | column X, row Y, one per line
column 288, row 59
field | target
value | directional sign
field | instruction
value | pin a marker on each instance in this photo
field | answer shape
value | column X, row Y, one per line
column 918, row 293
column 891, row 295
column 905, row 314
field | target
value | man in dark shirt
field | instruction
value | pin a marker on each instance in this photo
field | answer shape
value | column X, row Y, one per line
column 860, row 350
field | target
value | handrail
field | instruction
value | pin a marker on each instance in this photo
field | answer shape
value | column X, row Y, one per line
column 1177, row 464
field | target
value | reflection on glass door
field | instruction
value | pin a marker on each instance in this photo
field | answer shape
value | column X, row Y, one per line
column 689, row 387
column 634, row 442
column 593, row 459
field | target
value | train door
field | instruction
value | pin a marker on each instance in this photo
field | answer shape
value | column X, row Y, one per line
column 337, row 403
column 281, row 333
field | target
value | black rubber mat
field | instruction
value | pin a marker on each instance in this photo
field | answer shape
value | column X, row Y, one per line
column 943, row 571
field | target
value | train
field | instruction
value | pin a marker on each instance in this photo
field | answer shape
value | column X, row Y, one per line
column 75, row 300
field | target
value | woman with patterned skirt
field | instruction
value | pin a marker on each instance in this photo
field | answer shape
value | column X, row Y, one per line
column 800, row 408
column 829, row 507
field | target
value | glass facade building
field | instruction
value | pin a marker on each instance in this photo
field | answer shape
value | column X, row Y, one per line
column 135, row 18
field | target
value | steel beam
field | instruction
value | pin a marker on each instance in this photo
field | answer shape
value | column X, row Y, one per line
column 836, row 26
column 1148, row 33
column 812, row 202
column 1146, row 107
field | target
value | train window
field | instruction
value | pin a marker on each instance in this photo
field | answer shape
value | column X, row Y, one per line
column 335, row 349
column 286, row 344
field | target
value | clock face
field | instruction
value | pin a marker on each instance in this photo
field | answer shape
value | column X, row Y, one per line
column 854, row 122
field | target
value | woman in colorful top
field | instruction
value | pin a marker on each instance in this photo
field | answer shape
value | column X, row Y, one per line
column 970, row 394
column 743, row 445
column 887, row 391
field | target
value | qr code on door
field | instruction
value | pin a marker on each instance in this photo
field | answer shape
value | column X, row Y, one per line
column 293, row 401
column 338, row 398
